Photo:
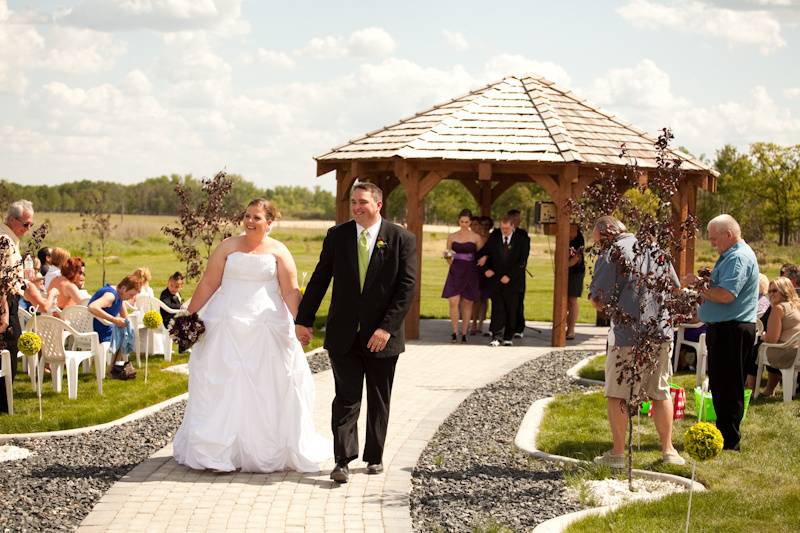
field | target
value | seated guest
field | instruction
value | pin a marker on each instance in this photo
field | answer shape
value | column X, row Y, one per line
column 44, row 259
column 58, row 258
column 143, row 273
column 793, row 273
column 763, row 300
column 72, row 276
column 171, row 296
column 35, row 296
column 106, row 304
column 784, row 324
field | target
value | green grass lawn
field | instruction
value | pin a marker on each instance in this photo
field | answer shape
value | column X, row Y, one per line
column 119, row 398
column 756, row 489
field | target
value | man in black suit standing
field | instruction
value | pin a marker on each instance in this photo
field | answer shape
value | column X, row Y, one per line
column 516, row 218
column 503, row 261
column 373, row 264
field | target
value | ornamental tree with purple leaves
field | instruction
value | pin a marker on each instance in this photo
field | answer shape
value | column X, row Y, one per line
column 645, row 207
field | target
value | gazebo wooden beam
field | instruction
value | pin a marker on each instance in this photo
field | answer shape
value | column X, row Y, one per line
column 485, row 196
column 569, row 175
column 409, row 178
column 344, row 180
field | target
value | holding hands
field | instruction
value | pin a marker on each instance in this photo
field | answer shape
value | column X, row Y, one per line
column 303, row 334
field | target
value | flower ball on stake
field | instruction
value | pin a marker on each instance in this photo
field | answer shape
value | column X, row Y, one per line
column 151, row 320
column 29, row 343
column 702, row 441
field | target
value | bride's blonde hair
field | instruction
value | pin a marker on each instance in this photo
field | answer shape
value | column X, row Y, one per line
column 269, row 208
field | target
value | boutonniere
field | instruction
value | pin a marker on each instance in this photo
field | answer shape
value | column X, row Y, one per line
column 380, row 244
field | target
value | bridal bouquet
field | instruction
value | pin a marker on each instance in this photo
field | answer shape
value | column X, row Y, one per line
column 186, row 330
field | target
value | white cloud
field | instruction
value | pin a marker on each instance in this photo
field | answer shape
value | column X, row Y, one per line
column 643, row 86
column 747, row 27
column 158, row 15
column 504, row 65
column 191, row 57
column 370, row 42
column 792, row 92
column 740, row 123
column 275, row 58
column 363, row 43
column 455, row 39
column 80, row 51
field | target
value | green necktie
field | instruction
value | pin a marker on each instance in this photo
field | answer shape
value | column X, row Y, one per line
column 363, row 257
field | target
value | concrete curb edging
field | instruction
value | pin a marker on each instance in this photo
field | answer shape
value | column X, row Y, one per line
column 525, row 440
column 136, row 415
column 574, row 372
column 141, row 413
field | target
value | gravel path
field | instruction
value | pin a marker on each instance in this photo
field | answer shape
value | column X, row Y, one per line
column 57, row 486
column 471, row 477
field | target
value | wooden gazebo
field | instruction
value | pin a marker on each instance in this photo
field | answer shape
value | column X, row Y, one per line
column 519, row 129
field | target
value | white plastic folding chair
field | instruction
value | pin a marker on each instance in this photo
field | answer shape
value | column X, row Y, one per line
column 788, row 375
column 680, row 339
column 28, row 363
column 52, row 331
column 158, row 340
column 5, row 373
column 79, row 317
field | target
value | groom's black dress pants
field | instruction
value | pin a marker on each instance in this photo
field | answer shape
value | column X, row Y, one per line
column 349, row 371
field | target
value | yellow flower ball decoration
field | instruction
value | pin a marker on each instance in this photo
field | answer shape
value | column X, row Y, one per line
column 702, row 441
column 152, row 319
column 29, row 343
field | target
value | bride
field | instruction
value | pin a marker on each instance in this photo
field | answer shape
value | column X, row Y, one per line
column 251, row 394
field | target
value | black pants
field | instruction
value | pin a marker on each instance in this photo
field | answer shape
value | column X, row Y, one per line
column 729, row 344
column 505, row 306
column 9, row 340
column 520, row 320
column 349, row 371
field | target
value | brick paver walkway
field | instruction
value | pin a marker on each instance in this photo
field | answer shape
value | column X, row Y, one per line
column 432, row 378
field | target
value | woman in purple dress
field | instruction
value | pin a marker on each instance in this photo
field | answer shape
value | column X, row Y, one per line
column 461, row 287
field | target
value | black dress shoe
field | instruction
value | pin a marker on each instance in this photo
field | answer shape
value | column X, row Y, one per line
column 340, row 474
column 375, row 468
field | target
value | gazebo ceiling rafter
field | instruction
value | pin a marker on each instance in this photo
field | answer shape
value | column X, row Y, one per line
column 516, row 130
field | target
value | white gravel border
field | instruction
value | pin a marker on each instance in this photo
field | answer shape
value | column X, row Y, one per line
column 526, row 441
column 5, row 437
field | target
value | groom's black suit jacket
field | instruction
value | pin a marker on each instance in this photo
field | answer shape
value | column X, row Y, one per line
column 388, row 288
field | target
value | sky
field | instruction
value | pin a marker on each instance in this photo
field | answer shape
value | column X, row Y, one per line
column 123, row 90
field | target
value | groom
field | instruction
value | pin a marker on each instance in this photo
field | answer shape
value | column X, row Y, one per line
column 373, row 265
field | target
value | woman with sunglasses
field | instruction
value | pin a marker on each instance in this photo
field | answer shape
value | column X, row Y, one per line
column 784, row 323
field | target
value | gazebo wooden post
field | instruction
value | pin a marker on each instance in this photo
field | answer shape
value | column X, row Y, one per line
column 344, row 180
column 559, row 334
column 690, row 239
column 485, row 180
column 680, row 211
column 409, row 178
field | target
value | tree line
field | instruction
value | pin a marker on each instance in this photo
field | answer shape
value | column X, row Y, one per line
column 156, row 196
column 759, row 187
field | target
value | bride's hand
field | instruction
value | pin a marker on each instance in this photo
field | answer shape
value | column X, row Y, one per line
column 303, row 334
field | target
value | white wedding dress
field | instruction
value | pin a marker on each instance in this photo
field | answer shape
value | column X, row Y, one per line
column 251, row 394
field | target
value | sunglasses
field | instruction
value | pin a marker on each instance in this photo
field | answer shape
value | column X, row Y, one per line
column 26, row 225
column 772, row 290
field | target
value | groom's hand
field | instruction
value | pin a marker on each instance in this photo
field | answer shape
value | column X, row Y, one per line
column 378, row 340
column 303, row 334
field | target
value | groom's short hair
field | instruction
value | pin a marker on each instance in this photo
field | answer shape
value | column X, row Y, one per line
column 377, row 193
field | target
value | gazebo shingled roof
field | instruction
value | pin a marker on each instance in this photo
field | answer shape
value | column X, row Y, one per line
column 518, row 129
column 525, row 118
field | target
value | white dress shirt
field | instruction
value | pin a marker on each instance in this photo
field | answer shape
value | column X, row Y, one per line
column 372, row 235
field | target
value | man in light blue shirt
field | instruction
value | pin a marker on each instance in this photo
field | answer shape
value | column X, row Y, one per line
column 729, row 308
